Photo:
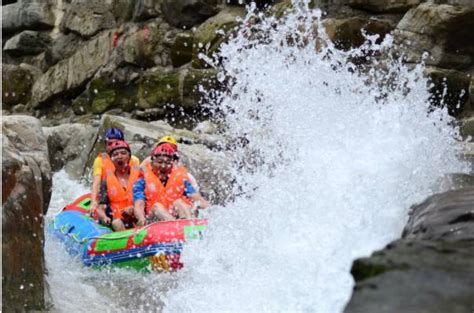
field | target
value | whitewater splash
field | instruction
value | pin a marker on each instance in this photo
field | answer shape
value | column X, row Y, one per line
column 329, row 156
column 332, row 155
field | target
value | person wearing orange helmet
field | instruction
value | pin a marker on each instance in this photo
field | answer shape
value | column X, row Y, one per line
column 117, row 188
column 103, row 162
column 164, row 192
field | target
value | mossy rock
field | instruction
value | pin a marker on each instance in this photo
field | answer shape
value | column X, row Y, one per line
column 182, row 49
column 16, row 85
column 82, row 104
column 157, row 89
column 467, row 128
column 102, row 95
column 192, row 80
column 212, row 33
column 364, row 269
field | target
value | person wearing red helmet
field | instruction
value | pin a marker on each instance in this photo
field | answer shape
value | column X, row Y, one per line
column 164, row 192
column 103, row 162
column 171, row 140
column 117, row 188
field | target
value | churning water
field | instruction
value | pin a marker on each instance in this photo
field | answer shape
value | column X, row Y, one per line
column 329, row 156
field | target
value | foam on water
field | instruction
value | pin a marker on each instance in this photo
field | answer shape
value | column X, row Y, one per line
column 332, row 155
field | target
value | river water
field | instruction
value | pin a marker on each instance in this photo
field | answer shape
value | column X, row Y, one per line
column 331, row 159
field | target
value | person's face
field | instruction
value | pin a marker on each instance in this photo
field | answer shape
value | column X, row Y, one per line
column 162, row 163
column 120, row 158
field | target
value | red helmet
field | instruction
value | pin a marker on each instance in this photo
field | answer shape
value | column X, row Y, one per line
column 164, row 149
column 119, row 144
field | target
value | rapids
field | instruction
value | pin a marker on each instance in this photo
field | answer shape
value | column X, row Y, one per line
column 330, row 155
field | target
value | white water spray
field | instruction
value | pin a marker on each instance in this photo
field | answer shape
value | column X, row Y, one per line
column 333, row 155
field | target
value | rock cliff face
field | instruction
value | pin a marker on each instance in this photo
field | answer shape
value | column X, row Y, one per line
column 26, row 190
column 72, row 61
column 137, row 57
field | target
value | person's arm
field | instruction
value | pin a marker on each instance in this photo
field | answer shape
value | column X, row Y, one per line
column 102, row 215
column 195, row 196
column 96, row 179
column 103, row 201
column 139, row 201
column 199, row 200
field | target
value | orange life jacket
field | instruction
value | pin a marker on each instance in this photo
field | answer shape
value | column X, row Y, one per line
column 121, row 198
column 166, row 195
column 107, row 164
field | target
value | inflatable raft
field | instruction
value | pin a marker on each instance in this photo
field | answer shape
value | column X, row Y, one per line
column 156, row 246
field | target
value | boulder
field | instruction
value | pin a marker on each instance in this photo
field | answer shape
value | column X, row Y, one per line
column 415, row 276
column 467, row 128
column 471, row 91
column 182, row 49
column 431, row 269
column 34, row 15
column 213, row 32
column 69, row 146
column 384, row 6
column 104, row 94
column 441, row 30
column 448, row 217
column 62, row 46
column 26, row 191
column 156, row 89
column 78, row 18
column 450, row 88
column 144, row 47
column 193, row 83
column 17, row 83
column 346, row 33
column 27, row 42
column 188, row 13
column 139, row 10
column 70, row 74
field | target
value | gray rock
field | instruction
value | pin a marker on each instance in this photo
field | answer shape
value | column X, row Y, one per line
column 188, row 13
column 441, row 30
column 34, row 15
column 450, row 88
column 26, row 191
column 78, row 17
column 73, row 72
column 27, row 42
column 62, row 47
column 415, row 277
column 446, row 216
column 69, row 146
column 430, row 270
column 384, row 6
column 17, row 83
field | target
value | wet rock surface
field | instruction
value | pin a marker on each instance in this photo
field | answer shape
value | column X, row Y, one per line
column 431, row 269
column 26, row 191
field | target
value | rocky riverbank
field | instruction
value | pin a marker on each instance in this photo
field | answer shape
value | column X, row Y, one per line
column 430, row 269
